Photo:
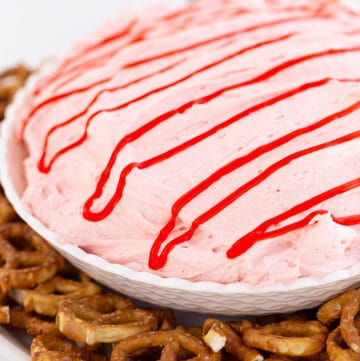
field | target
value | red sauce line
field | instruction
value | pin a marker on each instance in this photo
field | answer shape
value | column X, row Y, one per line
column 348, row 221
column 130, row 137
column 179, row 204
column 92, row 101
column 236, row 163
column 58, row 97
column 157, row 260
column 163, row 117
column 46, row 168
column 242, row 244
column 69, row 76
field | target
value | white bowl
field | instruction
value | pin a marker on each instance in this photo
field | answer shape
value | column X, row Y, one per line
column 204, row 297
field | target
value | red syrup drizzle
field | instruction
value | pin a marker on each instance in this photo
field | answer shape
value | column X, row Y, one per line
column 261, row 232
column 144, row 61
column 53, row 99
column 153, row 123
column 157, row 261
column 88, row 214
column 97, row 216
column 46, row 168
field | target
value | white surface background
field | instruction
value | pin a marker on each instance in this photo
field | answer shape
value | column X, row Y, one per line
column 32, row 30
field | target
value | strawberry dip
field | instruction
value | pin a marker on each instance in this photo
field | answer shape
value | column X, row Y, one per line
column 219, row 141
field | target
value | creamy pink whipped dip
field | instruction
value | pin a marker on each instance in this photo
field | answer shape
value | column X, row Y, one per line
column 195, row 68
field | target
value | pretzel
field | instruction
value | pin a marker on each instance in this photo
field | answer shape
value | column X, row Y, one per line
column 348, row 329
column 51, row 347
column 337, row 350
column 25, row 258
column 31, row 323
column 292, row 338
column 171, row 343
column 45, row 298
column 219, row 335
column 102, row 318
column 331, row 310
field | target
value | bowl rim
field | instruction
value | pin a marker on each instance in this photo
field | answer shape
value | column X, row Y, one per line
column 150, row 279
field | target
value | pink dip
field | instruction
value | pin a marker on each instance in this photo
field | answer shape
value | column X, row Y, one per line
column 215, row 142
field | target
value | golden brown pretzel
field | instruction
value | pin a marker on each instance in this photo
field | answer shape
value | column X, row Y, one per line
column 25, row 258
column 102, row 318
column 338, row 350
column 172, row 343
column 331, row 310
column 31, row 323
column 348, row 329
column 292, row 338
column 45, row 298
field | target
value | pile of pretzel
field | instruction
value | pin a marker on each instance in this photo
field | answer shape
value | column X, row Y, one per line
column 70, row 317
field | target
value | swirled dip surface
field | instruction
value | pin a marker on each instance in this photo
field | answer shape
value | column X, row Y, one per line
column 217, row 142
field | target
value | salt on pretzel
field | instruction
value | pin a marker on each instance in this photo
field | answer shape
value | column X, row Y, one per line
column 291, row 338
column 45, row 298
column 51, row 347
column 103, row 318
column 338, row 350
column 26, row 259
column 219, row 335
column 172, row 343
